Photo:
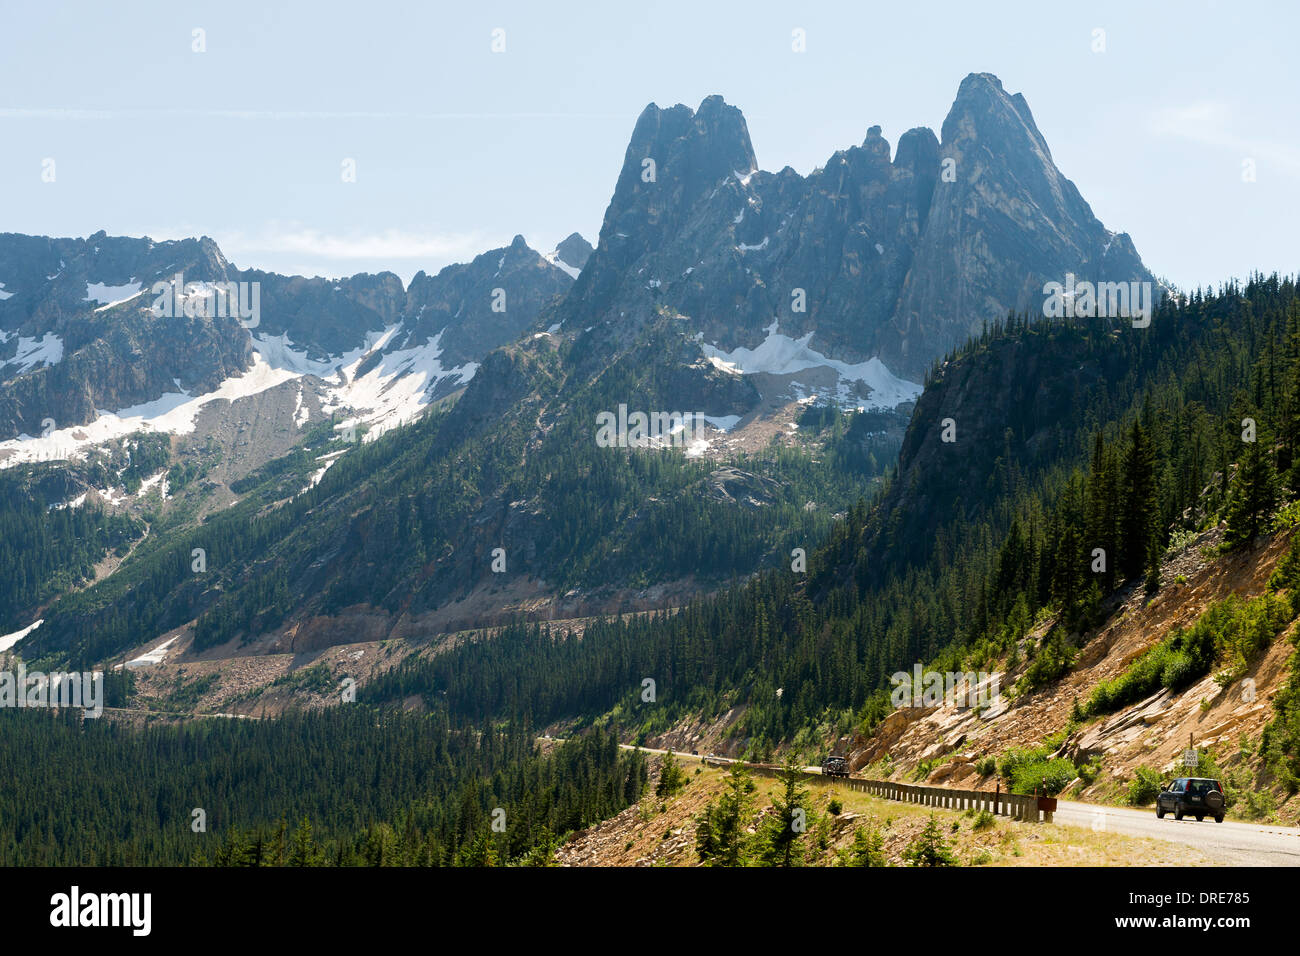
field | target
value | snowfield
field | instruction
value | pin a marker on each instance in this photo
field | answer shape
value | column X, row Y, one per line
column 47, row 350
column 781, row 355
column 394, row 391
column 109, row 296
column 9, row 640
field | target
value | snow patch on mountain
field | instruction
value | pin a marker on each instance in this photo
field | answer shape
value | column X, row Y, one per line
column 782, row 355
column 553, row 257
column 394, row 389
column 109, row 296
column 398, row 386
column 174, row 413
column 9, row 640
column 155, row 656
column 47, row 350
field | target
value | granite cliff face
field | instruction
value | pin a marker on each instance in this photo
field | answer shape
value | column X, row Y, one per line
column 1007, row 223
column 897, row 259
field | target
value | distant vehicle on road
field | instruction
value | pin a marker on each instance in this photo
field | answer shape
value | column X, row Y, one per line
column 835, row 767
column 1200, row 796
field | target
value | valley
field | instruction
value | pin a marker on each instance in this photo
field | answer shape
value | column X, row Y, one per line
column 437, row 548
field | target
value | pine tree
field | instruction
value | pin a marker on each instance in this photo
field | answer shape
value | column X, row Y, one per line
column 720, row 837
column 1138, row 507
column 782, row 841
column 867, row 848
column 303, row 851
column 1253, row 497
column 930, row 848
column 671, row 777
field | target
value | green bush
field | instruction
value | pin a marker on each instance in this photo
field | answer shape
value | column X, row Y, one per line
column 1089, row 772
column 1046, row 777
column 1015, row 757
column 1053, row 660
column 1286, row 576
column 1230, row 634
column 1144, row 787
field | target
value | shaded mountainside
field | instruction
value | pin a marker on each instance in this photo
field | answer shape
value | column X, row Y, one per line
column 408, row 525
column 1011, row 574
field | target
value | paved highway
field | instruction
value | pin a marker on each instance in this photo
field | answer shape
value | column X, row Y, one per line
column 1238, row 844
column 1242, row 844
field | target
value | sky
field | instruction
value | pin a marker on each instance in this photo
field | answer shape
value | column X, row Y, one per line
column 1158, row 118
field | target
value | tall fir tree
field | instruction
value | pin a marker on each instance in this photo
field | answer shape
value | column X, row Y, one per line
column 1253, row 496
column 1138, row 507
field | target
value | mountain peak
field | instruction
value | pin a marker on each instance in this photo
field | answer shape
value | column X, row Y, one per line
column 573, row 251
column 982, row 109
column 876, row 144
column 695, row 146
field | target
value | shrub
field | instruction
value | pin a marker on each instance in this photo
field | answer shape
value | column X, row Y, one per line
column 867, row 849
column 1286, row 575
column 1089, row 772
column 835, row 807
column 1014, row 758
column 1047, row 777
column 1230, row 633
column 984, row 821
column 930, row 848
column 986, row 766
column 1053, row 660
column 1144, row 787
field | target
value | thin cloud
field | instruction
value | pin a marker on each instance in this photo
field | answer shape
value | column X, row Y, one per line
column 379, row 246
column 329, row 115
column 1210, row 122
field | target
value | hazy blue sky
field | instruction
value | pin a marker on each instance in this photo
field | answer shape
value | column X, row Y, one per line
column 459, row 148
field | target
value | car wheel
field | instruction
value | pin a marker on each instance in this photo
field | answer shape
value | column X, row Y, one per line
column 1160, row 813
column 1218, row 819
column 1200, row 817
column 1178, row 814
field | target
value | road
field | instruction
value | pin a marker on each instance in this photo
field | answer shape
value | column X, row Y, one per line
column 1237, row 844
column 1240, row 844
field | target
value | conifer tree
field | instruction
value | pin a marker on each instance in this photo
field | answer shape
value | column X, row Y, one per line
column 720, row 837
column 782, row 841
column 1138, row 508
column 671, row 777
column 1253, row 495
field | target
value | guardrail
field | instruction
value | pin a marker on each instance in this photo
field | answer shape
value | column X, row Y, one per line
column 1016, row 806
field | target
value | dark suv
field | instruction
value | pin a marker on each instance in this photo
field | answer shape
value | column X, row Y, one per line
column 1199, row 796
column 835, row 767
